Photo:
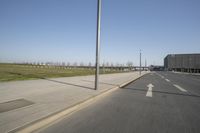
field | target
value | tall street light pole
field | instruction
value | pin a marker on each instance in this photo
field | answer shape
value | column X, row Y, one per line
column 145, row 64
column 140, row 62
column 98, row 43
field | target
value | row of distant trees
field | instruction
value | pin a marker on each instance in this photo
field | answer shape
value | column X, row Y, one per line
column 107, row 64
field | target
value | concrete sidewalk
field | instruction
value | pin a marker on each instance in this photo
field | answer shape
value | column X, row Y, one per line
column 49, row 96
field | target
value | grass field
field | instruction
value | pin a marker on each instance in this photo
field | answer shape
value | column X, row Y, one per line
column 11, row 72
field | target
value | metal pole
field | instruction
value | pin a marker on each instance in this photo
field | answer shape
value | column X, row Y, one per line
column 98, row 44
column 140, row 62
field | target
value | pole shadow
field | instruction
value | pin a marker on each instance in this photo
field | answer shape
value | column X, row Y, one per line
column 116, row 85
column 52, row 80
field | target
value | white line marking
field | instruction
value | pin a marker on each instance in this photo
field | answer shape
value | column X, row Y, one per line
column 149, row 92
column 167, row 80
column 180, row 88
column 160, row 75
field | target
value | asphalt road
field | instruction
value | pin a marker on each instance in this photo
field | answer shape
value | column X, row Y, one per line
column 161, row 102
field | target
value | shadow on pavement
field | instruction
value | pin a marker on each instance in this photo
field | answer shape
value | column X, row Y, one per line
column 52, row 80
column 103, row 83
column 61, row 82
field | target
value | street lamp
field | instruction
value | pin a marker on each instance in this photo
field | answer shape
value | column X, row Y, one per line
column 140, row 61
column 98, row 43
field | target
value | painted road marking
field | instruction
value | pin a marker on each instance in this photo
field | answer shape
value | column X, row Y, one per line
column 149, row 92
column 167, row 80
column 160, row 75
column 180, row 88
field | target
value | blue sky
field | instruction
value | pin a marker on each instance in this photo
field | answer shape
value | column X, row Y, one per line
column 65, row 30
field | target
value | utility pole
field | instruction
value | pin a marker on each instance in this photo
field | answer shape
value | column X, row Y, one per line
column 98, row 43
column 145, row 63
column 140, row 61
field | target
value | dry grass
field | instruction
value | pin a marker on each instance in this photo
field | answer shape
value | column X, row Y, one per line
column 11, row 72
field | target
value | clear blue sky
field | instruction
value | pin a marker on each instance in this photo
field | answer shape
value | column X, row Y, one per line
column 65, row 30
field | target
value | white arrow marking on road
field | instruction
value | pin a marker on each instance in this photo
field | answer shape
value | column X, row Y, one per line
column 149, row 92
column 180, row 88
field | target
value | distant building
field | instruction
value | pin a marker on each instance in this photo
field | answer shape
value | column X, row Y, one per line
column 182, row 62
column 156, row 68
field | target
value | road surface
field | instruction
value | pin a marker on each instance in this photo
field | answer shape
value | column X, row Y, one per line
column 160, row 102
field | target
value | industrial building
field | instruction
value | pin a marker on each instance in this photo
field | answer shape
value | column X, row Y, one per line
column 182, row 63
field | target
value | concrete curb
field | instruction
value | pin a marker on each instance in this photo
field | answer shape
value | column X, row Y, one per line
column 42, row 122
